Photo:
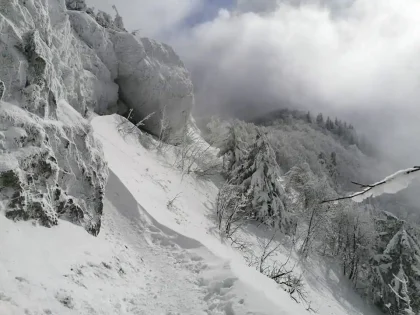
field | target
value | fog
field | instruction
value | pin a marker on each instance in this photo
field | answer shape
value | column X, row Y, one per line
column 358, row 60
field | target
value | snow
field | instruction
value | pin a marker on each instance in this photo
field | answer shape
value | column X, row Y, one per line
column 150, row 257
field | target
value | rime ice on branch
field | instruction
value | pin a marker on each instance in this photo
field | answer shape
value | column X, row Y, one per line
column 390, row 185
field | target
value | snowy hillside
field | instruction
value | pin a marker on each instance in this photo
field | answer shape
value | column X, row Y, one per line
column 150, row 257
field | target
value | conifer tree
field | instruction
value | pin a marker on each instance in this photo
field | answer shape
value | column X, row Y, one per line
column 396, row 268
column 259, row 175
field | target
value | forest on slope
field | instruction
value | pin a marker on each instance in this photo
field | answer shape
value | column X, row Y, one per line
column 375, row 243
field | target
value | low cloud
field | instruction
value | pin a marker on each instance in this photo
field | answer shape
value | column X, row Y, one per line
column 360, row 60
column 356, row 59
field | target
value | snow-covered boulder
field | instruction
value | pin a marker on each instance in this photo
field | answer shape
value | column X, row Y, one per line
column 51, row 169
column 153, row 79
column 66, row 54
column 150, row 76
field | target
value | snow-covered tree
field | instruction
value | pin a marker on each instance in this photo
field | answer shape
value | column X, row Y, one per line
column 303, row 189
column 395, row 276
column 250, row 164
column 258, row 175
column 320, row 119
column 118, row 21
column 233, row 140
column 308, row 118
column 2, row 89
column 104, row 19
column 351, row 239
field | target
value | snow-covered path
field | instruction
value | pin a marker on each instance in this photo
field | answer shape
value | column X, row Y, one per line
column 172, row 265
column 136, row 266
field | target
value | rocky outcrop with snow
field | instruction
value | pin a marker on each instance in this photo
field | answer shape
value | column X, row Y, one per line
column 58, row 61
column 149, row 76
column 89, row 61
column 50, row 169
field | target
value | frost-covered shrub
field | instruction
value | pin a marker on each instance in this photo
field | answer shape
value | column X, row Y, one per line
column 2, row 89
column 104, row 19
column 77, row 5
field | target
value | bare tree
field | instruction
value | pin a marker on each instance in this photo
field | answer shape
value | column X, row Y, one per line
column 171, row 202
column 283, row 274
column 230, row 210
column 126, row 127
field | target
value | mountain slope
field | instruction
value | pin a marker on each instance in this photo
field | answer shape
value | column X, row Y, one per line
column 150, row 258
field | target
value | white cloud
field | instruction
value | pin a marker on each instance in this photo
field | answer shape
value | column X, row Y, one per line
column 368, row 56
column 363, row 58
column 342, row 56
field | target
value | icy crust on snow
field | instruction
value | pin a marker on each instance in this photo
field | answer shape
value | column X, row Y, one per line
column 51, row 53
column 51, row 169
column 390, row 185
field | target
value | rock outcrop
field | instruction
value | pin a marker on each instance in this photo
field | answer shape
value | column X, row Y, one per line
column 157, row 84
column 58, row 61
column 51, row 169
column 151, row 78
column 51, row 166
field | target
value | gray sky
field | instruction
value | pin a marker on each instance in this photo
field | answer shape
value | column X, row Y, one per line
column 358, row 59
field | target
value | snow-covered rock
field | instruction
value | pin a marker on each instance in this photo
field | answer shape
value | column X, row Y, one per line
column 56, row 64
column 49, row 52
column 152, row 79
column 150, row 76
column 51, row 169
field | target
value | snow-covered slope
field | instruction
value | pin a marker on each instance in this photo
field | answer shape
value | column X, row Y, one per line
column 151, row 257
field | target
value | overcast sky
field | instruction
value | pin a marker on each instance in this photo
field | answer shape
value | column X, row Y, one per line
column 359, row 59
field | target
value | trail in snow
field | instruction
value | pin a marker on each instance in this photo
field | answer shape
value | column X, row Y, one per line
column 136, row 266
column 179, row 284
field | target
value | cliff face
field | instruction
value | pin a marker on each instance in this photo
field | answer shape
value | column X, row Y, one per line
column 58, row 62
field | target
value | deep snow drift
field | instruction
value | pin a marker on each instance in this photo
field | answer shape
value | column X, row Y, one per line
column 150, row 258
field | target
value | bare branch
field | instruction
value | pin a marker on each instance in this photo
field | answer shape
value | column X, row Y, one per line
column 389, row 179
